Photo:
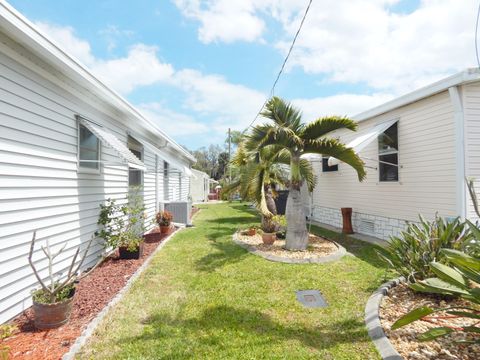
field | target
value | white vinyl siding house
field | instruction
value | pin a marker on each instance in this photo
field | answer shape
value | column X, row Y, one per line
column 200, row 186
column 431, row 157
column 43, row 186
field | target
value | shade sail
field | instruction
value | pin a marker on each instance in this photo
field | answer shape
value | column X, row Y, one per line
column 113, row 142
column 169, row 159
column 362, row 141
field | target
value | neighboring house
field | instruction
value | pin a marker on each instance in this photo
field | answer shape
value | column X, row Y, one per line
column 67, row 143
column 418, row 149
column 199, row 186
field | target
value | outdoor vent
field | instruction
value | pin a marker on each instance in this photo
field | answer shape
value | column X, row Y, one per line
column 367, row 227
column 180, row 210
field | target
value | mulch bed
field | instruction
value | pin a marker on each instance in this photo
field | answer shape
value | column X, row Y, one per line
column 93, row 293
column 317, row 247
column 400, row 300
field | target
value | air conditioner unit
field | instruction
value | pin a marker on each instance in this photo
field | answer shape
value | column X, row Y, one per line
column 181, row 211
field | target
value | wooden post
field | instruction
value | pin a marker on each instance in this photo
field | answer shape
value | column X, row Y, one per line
column 347, row 221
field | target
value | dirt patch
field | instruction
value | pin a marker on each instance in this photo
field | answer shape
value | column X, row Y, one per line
column 400, row 300
column 317, row 247
column 93, row 293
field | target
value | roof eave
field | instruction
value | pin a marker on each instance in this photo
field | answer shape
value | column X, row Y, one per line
column 466, row 76
column 20, row 28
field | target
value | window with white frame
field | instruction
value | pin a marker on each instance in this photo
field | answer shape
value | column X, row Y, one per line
column 388, row 154
column 88, row 149
column 135, row 176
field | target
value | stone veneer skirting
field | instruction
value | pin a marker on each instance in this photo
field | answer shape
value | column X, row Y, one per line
column 383, row 227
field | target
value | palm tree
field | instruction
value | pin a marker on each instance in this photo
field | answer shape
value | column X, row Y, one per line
column 293, row 139
column 258, row 174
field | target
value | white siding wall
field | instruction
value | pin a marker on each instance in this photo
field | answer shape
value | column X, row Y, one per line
column 471, row 100
column 427, row 176
column 40, row 188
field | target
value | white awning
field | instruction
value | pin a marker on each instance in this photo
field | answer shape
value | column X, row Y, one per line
column 112, row 141
column 169, row 159
column 362, row 141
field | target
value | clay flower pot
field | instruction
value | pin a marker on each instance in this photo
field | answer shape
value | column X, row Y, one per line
column 165, row 229
column 136, row 254
column 268, row 238
column 251, row 232
column 51, row 316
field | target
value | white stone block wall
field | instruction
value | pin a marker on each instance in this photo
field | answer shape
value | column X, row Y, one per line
column 384, row 227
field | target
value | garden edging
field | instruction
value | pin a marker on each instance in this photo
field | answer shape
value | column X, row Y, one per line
column 87, row 333
column 341, row 252
column 374, row 325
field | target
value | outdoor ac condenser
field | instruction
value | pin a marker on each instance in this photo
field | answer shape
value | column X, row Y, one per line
column 180, row 210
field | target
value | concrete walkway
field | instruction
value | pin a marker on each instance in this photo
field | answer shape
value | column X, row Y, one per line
column 362, row 237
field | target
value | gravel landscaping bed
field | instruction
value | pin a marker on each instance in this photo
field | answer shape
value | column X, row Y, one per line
column 318, row 248
column 398, row 301
column 92, row 294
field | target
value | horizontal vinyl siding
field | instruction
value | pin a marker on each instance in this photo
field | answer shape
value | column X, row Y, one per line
column 471, row 101
column 427, row 177
column 40, row 188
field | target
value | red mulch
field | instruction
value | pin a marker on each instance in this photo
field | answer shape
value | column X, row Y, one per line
column 93, row 293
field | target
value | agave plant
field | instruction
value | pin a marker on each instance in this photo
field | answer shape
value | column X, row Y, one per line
column 461, row 278
column 411, row 253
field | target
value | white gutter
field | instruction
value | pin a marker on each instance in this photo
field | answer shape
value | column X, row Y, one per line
column 466, row 76
column 25, row 32
column 460, row 190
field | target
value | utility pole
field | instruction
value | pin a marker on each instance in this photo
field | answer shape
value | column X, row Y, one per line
column 229, row 156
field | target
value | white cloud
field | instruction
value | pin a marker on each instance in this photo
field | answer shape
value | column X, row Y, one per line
column 362, row 41
column 69, row 42
column 224, row 20
column 141, row 67
column 341, row 104
column 112, row 34
column 172, row 122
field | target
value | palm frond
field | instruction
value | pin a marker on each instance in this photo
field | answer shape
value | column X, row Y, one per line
column 307, row 173
column 283, row 114
column 334, row 148
column 325, row 125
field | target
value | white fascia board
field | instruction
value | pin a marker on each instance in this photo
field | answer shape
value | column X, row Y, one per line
column 466, row 76
column 20, row 29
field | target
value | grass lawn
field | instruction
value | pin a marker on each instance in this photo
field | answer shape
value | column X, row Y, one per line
column 204, row 297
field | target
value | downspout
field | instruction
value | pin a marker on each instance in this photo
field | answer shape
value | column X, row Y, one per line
column 157, row 195
column 459, row 122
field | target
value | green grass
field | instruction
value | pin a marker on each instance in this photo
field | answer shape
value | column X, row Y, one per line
column 204, row 297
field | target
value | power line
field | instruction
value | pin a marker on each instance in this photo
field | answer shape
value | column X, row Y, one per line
column 476, row 36
column 272, row 91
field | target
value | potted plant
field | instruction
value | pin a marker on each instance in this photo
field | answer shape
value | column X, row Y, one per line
column 251, row 231
column 52, row 303
column 164, row 219
column 123, row 226
column 269, row 227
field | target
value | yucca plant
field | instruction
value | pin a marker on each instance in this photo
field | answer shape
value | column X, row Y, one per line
column 411, row 253
column 461, row 278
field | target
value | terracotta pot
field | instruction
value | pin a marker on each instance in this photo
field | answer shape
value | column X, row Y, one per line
column 251, row 232
column 268, row 238
column 51, row 316
column 125, row 254
column 165, row 229
column 153, row 236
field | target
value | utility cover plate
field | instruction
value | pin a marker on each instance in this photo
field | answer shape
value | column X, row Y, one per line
column 311, row 298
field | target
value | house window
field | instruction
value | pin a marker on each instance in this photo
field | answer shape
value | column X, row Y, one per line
column 388, row 154
column 166, row 182
column 88, row 149
column 135, row 175
column 326, row 167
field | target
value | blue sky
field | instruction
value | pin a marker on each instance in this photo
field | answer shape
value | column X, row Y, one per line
column 198, row 67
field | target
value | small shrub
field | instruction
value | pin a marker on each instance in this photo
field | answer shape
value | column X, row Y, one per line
column 164, row 218
column 269, row 225
column 6, row 331
column 42, row 297
column 411, row 253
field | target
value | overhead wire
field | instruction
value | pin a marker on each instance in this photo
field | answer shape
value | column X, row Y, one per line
column 272, row 90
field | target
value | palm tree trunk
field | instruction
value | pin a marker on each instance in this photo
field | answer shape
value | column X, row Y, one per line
column 297, row 234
